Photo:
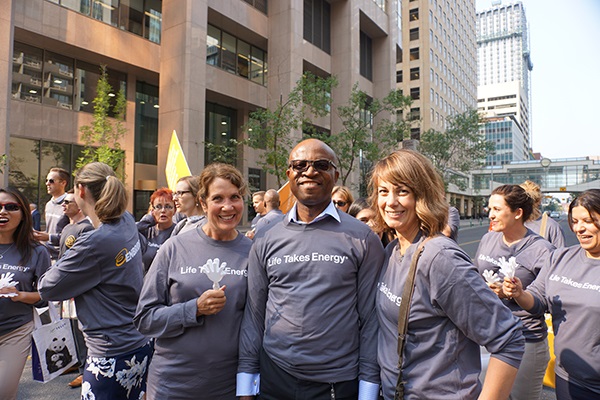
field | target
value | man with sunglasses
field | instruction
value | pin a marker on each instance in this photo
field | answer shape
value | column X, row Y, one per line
column 57, row 182
column 78, row 225
column 309, row 327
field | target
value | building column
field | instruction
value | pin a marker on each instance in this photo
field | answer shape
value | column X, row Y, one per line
column 182, row 88
column 6, row 48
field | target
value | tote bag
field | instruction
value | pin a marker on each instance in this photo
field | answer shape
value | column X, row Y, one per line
column 52, row 348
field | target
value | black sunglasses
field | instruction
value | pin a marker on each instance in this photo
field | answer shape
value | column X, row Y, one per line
column 50, row 180
column 10, row 207
column 67, row 202
column 339, row 203
column 319, row 165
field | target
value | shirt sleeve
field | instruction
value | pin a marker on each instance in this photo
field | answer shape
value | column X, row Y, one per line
column 462, row 294
column 155, row 316
column 253, row 322
column 368, row 273
column 247, row 384
column 75, row 273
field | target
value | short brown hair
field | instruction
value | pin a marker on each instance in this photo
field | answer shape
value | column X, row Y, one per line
column 223, row 171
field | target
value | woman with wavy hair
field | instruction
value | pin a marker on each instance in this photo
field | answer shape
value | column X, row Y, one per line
column 452, row 312
column 103, row 271
column 22, row 261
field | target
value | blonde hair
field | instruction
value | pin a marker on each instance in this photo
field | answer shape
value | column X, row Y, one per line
column 535, row 193
column 106, row 189
column 345, row 192
column 412, row 169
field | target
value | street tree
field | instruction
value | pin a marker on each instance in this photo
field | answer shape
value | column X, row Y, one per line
column 461, row 147
column 365, row 132
column 101, row 137
column 272, row 129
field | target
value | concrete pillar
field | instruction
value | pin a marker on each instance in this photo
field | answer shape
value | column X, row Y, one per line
column 6, row 47
column 182, row 88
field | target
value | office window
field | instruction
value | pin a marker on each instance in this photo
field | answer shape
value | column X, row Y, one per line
column 399, row 76
column 366, row 56
column 221, row 125
column 414, row 74
column 414, row 34
column 413, row 15
column 414, row 54
column 213, row 46
column 260, row 5
column 87, row 82
column 415, row 93
column 146, row 123
column 243, row 59
column 317, row 23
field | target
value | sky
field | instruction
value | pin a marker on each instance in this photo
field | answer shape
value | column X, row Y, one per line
column 565, row 80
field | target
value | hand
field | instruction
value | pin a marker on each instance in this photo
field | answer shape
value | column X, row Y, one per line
column 10, row 291
column 211, row 302
column 41, row 236
column 512, row 288
column 250, row 234
column 497, row 288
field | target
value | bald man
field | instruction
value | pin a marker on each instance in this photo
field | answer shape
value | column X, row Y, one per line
column 310, row 329
column 273, row 213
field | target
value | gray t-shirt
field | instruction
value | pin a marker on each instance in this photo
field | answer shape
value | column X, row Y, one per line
column 311, row 300
column 56, row 220
column 531, row 254
column 195, row 357
column 14, row 314
column 553, row 232
column 452, row 313
column 569, row 287
column 71, row 232
column 270, row 218
column 453, row 222
column 103, row 271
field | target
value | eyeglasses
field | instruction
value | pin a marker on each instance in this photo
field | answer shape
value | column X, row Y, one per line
column 339, row 203
column 67, row 202
column 180, row 193
column 160, row 207
column 10, row 207
column 303, row 165
column 50, row 181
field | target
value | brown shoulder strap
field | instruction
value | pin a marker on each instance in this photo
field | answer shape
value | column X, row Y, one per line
column 543, row 232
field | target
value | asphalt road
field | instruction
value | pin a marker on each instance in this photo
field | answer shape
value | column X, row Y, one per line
column 469, row 235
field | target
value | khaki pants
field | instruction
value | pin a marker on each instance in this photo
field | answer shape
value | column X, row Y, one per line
column 14, row 349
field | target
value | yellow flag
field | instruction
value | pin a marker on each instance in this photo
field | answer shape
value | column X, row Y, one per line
column 177, row 166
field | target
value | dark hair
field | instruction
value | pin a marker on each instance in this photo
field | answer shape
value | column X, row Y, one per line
column 516, row 197
column 357, row 206
column 105, row 188
column 164, row 193
column 223, row 171
column 63, row 174
column 23, row 235
column 590, row 200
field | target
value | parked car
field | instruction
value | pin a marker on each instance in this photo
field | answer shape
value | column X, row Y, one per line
column 555, row 214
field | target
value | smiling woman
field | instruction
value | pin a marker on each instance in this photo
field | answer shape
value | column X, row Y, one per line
column 567, row 286
column 183, row 303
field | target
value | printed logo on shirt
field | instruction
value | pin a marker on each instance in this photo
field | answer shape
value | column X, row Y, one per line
column 489, row 259
column 125, row 256
column 8, row 267
column 70, row 241
column 313, row 257
column 578, row 285
column 223, row 269
column 394, row 298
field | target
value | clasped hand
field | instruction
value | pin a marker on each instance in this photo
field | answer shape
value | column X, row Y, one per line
column 211, row 302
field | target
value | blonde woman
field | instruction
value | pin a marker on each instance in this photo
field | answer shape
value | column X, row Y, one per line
column 342, row 198
column 539, row 222
column 103, row 271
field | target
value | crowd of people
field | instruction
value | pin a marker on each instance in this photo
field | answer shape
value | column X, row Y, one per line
column 336, row 298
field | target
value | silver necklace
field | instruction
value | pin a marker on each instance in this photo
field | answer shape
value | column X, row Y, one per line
column 6, row 251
